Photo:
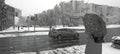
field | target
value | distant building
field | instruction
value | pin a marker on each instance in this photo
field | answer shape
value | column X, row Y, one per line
column 9, row 15
column 21, row 21
column 18, row 17
column 31, row 20
column 113, row 19
column 75, row 8
column 9, row 19
column 18, row 12
column 110, row 15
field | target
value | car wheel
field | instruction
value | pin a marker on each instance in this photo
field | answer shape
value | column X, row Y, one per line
column 76, row 36
column 59, row 37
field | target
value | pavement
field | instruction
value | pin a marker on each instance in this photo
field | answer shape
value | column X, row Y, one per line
column 78, row 49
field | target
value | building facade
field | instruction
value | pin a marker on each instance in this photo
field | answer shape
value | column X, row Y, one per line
column 1, row 14
column 110, row 14
column 10, row 15
column 7, row 15
column 18, row 17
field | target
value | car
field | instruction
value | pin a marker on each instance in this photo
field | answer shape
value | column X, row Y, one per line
column 63, row 33
column 116, row 42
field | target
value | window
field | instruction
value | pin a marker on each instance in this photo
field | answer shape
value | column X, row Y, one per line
column 16, row 13
column 70, row 30
column 62, row 30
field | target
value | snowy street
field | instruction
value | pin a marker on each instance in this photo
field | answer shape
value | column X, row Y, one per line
column 47, row 28
column 41, row 40
column 79, row 49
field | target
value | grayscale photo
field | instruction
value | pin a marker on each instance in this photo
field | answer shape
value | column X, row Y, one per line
column 59, row 26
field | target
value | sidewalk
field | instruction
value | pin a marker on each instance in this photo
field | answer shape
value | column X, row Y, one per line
column 24, row 32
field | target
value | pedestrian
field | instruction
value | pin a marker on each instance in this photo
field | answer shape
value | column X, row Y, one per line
column 18, row 27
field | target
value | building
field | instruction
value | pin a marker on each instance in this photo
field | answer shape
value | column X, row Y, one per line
column 1, row 18
column 113, row 19
column 8, row 16
column 75, row 8
column 110, row 15
column 18, row 12
column 18, row 17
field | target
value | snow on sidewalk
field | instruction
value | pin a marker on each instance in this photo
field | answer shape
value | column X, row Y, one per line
column 107, row 49
column 25, row 29
column 24, row 34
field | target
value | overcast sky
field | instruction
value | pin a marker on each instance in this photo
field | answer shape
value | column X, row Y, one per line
column 30, row 7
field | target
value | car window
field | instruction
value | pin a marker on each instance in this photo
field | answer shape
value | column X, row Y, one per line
column 61, row 30
column 82, row 29
column 53, row 29
column 69, row 30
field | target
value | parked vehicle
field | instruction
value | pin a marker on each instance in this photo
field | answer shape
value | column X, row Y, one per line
column 63, row 33
column 116, row 42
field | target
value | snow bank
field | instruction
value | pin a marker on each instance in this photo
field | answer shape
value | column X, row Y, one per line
column 25, row 29
column 113, row 26
column 82, row 27
column 107, row 49
column 35, row 33
column 24, row 34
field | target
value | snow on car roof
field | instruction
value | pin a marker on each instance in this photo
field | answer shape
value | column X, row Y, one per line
column 70, row 27
column 113, row 26
column 82, row 27
column 116, row 37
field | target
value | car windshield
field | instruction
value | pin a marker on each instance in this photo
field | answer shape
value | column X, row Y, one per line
column 64, row 29
column 71, row 30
